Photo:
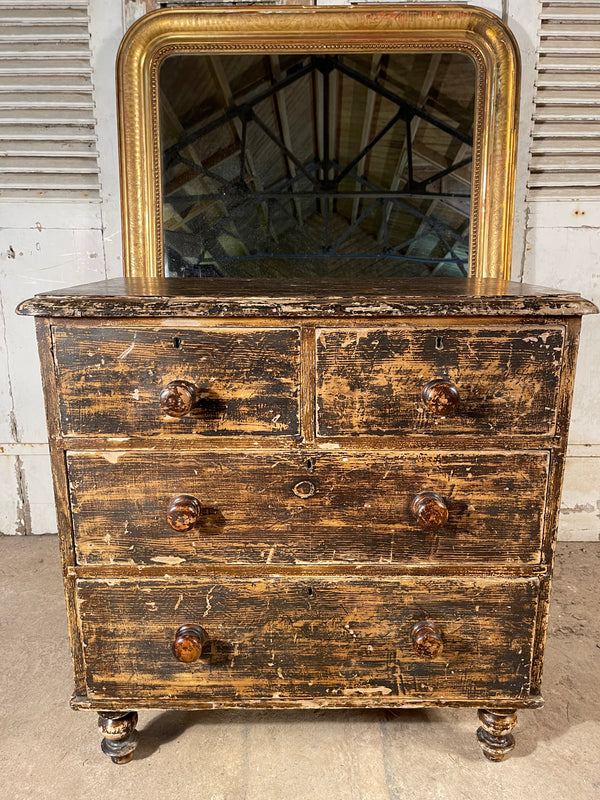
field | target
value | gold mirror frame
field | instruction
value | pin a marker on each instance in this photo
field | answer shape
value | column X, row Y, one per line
column 283, row 29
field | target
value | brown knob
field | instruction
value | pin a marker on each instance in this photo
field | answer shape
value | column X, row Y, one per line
column 188, row 644
column 426, row 639
column 430, row 511
column 183, row 512
column 178, row 398
column 441, row 397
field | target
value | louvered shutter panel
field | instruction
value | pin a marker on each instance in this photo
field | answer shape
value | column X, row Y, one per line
column 47, row 126
column 565, row 156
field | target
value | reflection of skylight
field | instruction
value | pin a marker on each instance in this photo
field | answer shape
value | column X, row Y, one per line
column 317, row 165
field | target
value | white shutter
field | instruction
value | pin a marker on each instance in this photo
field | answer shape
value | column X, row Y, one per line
column 565, row 155
column 47, row 125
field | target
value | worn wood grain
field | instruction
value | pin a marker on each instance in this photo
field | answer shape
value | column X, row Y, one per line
column 324, row 444
column 564, row 405
column 174, row 572
column 225, row 297
column 83, row 702
column 360, row 510
column 371, row 380
column 307, row 399
column 111, row 379
column 61, row 493
column 311, row 638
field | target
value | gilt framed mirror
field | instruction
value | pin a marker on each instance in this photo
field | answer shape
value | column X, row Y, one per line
column 371, row 142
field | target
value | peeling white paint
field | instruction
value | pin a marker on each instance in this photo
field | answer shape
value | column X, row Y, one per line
column 112, row 456
column 128, row 350
column 208, row 603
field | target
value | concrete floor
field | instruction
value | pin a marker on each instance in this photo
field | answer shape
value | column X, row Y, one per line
column 48, row 751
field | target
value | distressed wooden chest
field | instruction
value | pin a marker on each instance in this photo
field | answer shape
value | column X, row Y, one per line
column 280, row 495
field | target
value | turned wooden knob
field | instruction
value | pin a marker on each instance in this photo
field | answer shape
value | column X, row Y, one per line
column 178, row 398
column 430, row 511
column 426, row 639
column 188, row 644
column 441, row 397
column 183, row 512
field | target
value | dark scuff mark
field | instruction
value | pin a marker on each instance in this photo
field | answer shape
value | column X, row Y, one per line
column 23, row 526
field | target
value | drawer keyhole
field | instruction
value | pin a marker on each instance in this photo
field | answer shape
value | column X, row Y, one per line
column 177, row 342
column 304, row 489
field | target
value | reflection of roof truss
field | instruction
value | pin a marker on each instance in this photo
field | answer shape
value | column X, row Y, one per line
column 240, row 115
column 320, row 179
column 324, row 247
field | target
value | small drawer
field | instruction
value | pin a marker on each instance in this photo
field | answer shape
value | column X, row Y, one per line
column 135, row 381
column 278, row 638
column 150, row 507
column 495, row 381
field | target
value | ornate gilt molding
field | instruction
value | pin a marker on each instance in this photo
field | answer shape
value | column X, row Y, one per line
column 475, row 32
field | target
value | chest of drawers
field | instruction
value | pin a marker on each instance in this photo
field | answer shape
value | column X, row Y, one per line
column 291, row 496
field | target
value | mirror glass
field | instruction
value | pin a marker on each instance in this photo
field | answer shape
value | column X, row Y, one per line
column 303, row 165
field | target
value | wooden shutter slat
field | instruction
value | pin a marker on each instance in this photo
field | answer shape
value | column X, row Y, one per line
column 47, row 113
column 565, row 152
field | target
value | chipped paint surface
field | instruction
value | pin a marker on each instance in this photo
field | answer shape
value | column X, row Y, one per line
column 273, row 576
column 252, row 515
column 127, row 350
column 580, row 502
column 42, row 246
column 171, row 561
column 112, row 456
column 134, row 9
column 371, row 381
column 303, row 652
column 367, row 691
column 247, row 384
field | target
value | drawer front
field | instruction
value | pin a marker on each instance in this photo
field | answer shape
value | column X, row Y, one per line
column 371, row 381
column 309, row 507
column 110, row 380
column 277, row 638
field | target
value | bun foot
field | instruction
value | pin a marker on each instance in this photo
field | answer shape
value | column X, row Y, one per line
column 494, row 734
column 120, row 735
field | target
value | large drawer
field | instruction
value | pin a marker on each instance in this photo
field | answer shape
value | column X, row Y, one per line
column 314, row 637
column 371, row 380
column 305, row 506
column 243, row 381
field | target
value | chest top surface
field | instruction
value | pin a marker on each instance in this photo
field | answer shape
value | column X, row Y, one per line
column 223, row 297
